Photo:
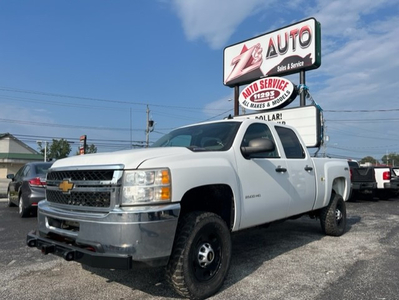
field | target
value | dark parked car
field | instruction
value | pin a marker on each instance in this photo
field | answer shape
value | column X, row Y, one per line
column 27, row 187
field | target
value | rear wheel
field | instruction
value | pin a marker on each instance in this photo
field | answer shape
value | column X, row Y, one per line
column 201, row 255
column 22, row 210
column 333, row 216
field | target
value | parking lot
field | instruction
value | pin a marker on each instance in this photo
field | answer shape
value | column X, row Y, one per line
column 289, row 260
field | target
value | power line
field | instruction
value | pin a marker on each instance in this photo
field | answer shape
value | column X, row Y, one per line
column 102, row 100
column 59, row 103
column 66, row 126
column 361, row 136
column 362, row 120
column 361, row 110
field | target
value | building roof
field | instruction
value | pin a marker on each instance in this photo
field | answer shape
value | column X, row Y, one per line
column 32, row 156
column 4, row 135
column 23, row 156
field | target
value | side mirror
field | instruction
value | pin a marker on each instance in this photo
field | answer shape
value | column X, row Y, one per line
column 258, row 146
column 10, row 176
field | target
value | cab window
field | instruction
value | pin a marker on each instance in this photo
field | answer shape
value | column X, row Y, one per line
column 292, row 146
column 256, row 131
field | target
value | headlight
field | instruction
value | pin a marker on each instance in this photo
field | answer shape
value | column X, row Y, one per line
column 146, row 186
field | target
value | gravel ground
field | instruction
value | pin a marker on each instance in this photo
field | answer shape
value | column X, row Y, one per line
column 289, row 260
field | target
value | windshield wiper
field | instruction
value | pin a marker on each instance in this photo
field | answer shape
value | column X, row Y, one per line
column 196, row 148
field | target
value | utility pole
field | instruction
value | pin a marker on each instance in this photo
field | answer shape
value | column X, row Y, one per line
column 45, row 149
column 149, row 128
column 131, row 137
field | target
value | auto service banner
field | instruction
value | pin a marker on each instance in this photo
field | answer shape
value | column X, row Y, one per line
column 268, row 93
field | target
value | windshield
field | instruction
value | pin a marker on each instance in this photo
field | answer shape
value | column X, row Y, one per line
column 204, row 137
column 42, row 169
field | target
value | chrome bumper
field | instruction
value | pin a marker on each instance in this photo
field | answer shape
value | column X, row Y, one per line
column 144, row 234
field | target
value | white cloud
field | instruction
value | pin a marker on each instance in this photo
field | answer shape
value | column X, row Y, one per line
column 223, row 104
column 347, row 21
column 363, row 70
column 215, row 21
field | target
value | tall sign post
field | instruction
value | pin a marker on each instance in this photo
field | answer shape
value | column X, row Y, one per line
column 82, row 146
column 292, row 49
column 260, row 62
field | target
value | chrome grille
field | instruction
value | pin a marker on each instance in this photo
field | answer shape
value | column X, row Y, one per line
column 91, row 199
column 90, row 175
column 97, row 189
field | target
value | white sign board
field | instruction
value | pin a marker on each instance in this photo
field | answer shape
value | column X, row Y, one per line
column 281, row 52
column 306, row 120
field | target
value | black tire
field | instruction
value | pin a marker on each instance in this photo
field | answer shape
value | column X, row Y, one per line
column 333, row 216
column 23, row 211
column 9, row 203
column 201, row 255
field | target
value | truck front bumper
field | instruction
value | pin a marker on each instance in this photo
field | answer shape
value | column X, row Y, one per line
column 108, row 240
column 86, row 257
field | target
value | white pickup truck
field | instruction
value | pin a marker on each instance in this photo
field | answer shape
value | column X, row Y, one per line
column 177, row 202
column 387, row 182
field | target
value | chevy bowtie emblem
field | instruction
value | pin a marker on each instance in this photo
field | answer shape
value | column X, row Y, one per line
column 65, row 186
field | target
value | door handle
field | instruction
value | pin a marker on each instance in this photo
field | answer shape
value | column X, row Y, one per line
column 280, row 169
column 308, row 169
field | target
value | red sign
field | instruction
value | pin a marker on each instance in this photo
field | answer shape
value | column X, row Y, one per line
column 82, row 147
column 268, row 93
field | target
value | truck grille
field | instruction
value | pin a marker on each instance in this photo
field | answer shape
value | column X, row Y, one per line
column 96, row 199
column 82, row 189
column 89, row 175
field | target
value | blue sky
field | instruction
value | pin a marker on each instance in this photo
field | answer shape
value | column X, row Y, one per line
column 69, row 68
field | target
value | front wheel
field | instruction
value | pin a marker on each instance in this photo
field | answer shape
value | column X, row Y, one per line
column 201, row 255
column 333, row 216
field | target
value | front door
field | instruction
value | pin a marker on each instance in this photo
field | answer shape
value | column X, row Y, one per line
column 265, row 183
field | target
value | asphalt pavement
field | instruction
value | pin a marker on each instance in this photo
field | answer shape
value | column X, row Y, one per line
column 289, row 260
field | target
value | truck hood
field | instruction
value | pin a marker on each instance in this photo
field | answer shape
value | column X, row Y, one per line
column 130, row 159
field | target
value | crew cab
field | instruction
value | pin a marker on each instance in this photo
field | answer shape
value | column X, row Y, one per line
column 178, row 202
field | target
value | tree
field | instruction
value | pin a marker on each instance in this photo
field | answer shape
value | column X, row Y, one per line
column 56, row 150
column 391, row 159
column 89, row 149
column 368, row 159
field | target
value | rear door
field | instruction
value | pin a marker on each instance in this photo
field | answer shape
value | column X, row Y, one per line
column 16, row 183
column 300, row 171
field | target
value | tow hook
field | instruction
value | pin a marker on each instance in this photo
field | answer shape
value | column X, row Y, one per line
column 46, row 249
column 31, row 243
